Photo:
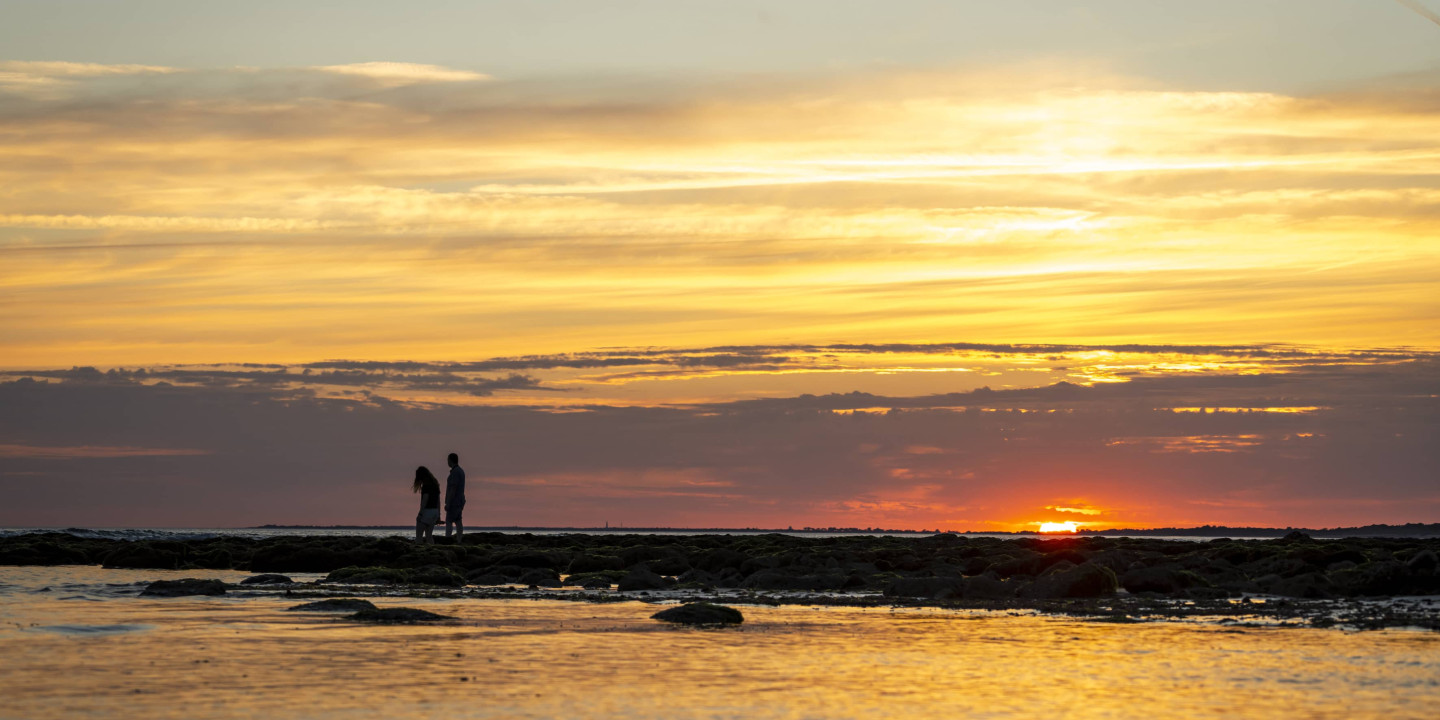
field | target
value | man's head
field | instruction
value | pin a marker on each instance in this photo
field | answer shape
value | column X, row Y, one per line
column 454, row 460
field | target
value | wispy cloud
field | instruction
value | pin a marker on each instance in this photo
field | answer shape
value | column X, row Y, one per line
column 402, row 73
column 91, row 452
column 364, row 210
column 47, row 78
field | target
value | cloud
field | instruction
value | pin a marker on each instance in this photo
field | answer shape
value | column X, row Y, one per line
column 90, row 452
column 979, row 459
column 352, row 218
column 48, row 78
column 1192, row 378
column 394, row 74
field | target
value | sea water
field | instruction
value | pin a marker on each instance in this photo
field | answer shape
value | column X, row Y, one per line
column 80, row 642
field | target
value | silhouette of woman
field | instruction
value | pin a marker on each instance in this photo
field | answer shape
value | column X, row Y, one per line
column 429, row 489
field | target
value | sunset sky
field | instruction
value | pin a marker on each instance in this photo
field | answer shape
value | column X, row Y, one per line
column 958, row 265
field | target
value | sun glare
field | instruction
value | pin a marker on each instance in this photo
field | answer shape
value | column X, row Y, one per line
column 1068, row 526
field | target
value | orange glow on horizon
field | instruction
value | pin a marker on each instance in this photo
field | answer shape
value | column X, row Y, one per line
column 1069, row 526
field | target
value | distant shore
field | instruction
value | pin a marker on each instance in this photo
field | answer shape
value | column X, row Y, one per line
column 1412, row 530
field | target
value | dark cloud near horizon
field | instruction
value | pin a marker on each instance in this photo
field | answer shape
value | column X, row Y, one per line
column 263, row 453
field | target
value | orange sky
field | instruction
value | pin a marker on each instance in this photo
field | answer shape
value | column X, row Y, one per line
column 425, row 207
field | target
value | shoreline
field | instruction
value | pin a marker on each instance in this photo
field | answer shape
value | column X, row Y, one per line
column 1364, row 583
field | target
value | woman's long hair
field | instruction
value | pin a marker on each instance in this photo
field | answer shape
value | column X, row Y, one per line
column 422, row 474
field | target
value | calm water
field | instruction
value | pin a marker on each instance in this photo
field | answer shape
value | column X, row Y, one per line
column 88, row 647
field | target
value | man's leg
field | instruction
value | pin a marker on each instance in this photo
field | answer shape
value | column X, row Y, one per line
column 459, row 530
column 447, row 524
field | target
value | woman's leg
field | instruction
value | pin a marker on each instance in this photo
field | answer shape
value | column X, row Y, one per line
column 419, row 530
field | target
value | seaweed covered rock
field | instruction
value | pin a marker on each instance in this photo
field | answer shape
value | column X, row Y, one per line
column 368, row 576
column 349, row 605
column 541, row 577
column 589, row 562
column 598, row 580
column 147, row 555
column 399, row 615
column 700, row 613
column 267, row 579
column 986, row 587
column 641, row 578
column 46, row 549
column 1082, row 581
column 1163, row 580
column 429, row 575
column 181, row 588
column 924, row 587
column 434, row 575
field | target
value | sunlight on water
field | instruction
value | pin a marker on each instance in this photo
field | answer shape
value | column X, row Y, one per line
column 88, row 648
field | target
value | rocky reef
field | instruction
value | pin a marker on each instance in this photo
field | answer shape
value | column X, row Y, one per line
column 938, row 568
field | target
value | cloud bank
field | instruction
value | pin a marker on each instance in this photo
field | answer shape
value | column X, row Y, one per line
column 1293, row 439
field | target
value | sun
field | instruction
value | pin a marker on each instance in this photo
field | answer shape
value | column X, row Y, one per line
column 1068, row 526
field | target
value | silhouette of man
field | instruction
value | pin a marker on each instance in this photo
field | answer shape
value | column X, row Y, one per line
column 455, row 497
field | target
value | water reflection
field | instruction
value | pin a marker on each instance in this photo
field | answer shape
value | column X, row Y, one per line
column 239, row 657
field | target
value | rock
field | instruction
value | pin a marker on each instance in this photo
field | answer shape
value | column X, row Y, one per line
column 266, row 579
column 1083, row 581
column 1309, row 585
column 986, row 587
column 1163, row 580
column 698, row 577
column 428, row 575
column 349, row 605
column 434, row 575
column 701, row 613
column 181, row 588
column 601, row 579
column 641, row 578
column 541, row 577
column 1424, row 561
column 720, row 559
column 1029, row 565
column 147, row 555
column 587, row 563
column 367, row 576
column 486, row 578
column 532, row 559
column 1296, row 536
column 398, row 615
column 669, row 565
column 924, row 587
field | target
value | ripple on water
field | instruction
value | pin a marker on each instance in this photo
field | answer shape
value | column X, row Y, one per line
column 92, row 630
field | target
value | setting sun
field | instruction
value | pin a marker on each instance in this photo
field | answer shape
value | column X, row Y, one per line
column 1069, row 526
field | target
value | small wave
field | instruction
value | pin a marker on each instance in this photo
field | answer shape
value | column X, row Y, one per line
column 92, row 629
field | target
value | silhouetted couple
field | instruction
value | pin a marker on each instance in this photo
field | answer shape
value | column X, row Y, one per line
column 429, row 489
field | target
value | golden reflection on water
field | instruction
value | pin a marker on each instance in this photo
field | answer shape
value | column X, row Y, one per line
column 246, row 657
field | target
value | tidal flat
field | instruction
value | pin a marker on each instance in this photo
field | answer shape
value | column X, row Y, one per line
column 82, row 641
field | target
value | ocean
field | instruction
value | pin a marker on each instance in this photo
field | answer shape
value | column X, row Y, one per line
column 79, row 641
